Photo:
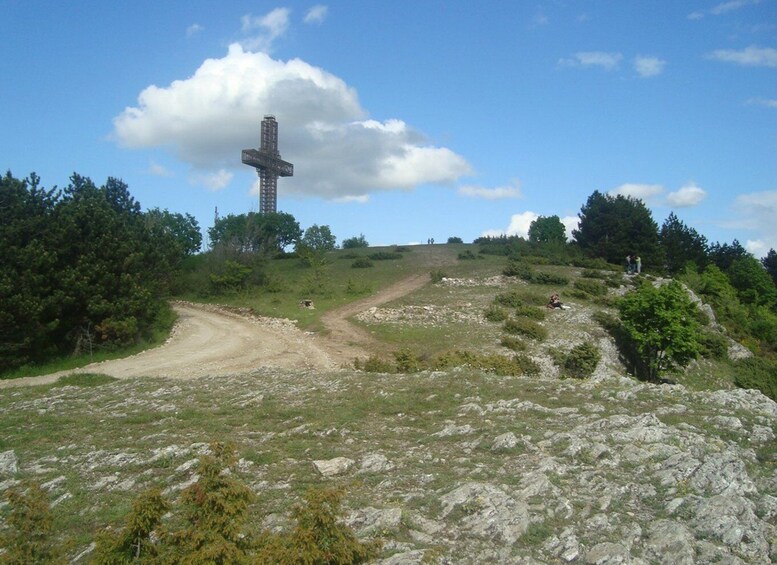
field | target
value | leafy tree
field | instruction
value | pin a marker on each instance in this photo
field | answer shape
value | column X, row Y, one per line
column 770, row 264
column 723, row 255
column 183, row 229
column 613, row 227
column 661, row 323
column 752, row 282
column 355, row 242
column 455, row 239
column 255, row 233
column 319, row 238
column 682, row 245
column 547, row 229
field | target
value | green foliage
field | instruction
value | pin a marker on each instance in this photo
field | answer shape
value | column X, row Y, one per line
column 512, row 343
column 581, row 361
column 547, row 230
column 319, row 537
column 262, row 233
column 682, row 245
column 591, row 287
column 133, row 542
column 80, row 268
column 525, row 327
column 532, row 312
column 757, row 372
column 319, row 238
column 374, row 364
column 549, row 279
column 362, row 263
column 525, row 272
column 407, row 361
column 455, row 239
column 613, row 227
column 467, row 255
column 724, row 255
column 355, row 242
column 511, row 299
column 437, row 275
column 27, row 538
column 495, row 314
column 770, row 264
column 752, row 282
column 183, row 229
column 233, row 277
column 662, row 325
column 385, row 256
column 713, row 345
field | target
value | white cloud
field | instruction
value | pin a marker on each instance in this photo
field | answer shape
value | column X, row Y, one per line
column 193, row 29
column 206, row 119
column 648, row 66
column 723, row 8
column 159, row 170
column 270, row 27
column 687, row 196
column 570, row 223
column 645, row 192
column 316, row 15
column 215, row 181
column 751, row 56
column 757, row 211
column 766, row 102
column 498, row 193
column 607, row 61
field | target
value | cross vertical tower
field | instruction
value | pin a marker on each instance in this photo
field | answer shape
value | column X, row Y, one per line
column 268, row 164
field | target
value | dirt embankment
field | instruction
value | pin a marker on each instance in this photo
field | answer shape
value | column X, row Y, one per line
column 210, row 340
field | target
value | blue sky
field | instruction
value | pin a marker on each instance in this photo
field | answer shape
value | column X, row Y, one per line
column 405, row 120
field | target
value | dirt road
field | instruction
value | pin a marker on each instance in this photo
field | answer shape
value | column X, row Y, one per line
column 210, row 340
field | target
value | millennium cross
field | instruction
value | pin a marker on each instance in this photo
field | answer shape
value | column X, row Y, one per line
column 268, row 164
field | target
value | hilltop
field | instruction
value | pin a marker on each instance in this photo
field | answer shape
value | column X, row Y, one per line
column 452, row 466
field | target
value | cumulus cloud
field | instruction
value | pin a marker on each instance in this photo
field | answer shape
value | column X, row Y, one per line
column 750, row 57
column 570, row 223
column 499, row 193
column 215, row 181
column 645, row 192
column 723, row 8
column 316, row 15
column 648, row 66
column 206, row 119
column 687, row 196
column 520, row 224
column 262, row 31
column 605, row 60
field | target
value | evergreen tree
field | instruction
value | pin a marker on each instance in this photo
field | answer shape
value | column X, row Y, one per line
column 613, row 227
column 682, row 245
column 723, row 255
column 770, row 264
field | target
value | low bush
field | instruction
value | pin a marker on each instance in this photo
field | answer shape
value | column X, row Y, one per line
column 714, row 345
column 532, row 312
column 467, row 255
column 581, row 361
column 525, row 327
column 513, row 343
column 374, row 364
column 512, row 299
column 407, row 361
column 362, row 263
column 757, row 372
column 592, row 287
column 27, row 535
column 385, row 256
column 518, row 269
column 402, row 249
column 549, row 278
column 495, row 314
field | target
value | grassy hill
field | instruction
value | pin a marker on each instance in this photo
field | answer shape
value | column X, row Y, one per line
column 445, row 466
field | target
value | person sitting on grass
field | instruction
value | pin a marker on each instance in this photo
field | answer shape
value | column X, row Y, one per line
column 555, row 301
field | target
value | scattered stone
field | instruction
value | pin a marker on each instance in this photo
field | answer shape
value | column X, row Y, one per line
column 333, row 467
column 9, row 465
column 375, row 463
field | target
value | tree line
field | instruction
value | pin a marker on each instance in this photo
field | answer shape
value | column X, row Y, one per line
column 82, row 267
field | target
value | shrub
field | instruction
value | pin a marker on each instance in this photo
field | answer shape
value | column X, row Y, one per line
column 581, row 361
column 407, row 361
column 355, row 242
column 525, row 327
column 713, row 344
column 495, row 314
column 759, row 373
column 549, row 278
column 467, row 255
column 455, row 239
column 513, row 343
column 592, row 287
column 402, row 249
column 28, row 528
column 518, row 269
column 511, row 299
column 374, row 364
column 362, row 263
column 437, row 275
column 531, row 312
column 385, row 256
